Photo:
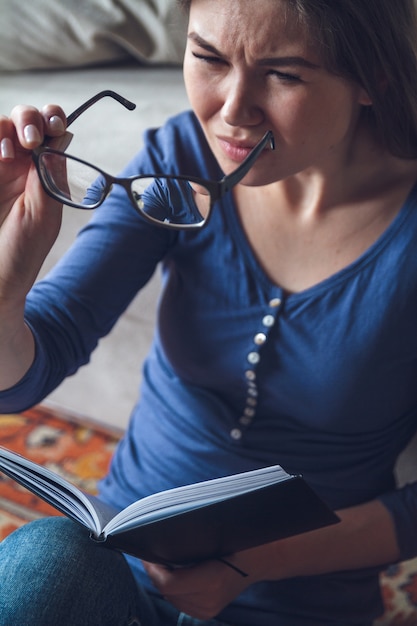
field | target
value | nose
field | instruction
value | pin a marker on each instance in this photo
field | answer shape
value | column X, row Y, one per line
column 242, row 106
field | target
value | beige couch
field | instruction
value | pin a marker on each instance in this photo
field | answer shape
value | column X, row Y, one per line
column 65, row 51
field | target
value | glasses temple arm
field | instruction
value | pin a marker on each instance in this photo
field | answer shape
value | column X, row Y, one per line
column 112, row 94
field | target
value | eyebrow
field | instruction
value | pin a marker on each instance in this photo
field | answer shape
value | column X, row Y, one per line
column 283, row 61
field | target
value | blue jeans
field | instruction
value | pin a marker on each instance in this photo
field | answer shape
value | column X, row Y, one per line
column 52, row 573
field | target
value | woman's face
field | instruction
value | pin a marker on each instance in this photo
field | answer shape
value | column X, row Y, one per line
column 247, row 70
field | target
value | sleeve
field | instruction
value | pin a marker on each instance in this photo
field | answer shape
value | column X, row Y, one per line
column 402, row 505
column 80, row 300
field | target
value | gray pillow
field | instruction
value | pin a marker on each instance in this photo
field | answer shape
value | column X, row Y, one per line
column 41, row 34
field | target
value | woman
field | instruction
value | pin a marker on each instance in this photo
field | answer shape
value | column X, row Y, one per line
column 286, row 328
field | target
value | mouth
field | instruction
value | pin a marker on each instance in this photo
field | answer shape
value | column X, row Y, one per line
column 236, row 151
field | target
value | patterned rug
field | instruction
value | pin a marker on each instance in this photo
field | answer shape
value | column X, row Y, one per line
column 80, row 451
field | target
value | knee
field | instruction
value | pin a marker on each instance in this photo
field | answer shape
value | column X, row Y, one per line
column 46, row 564
column 44, row 552
column 44, row 544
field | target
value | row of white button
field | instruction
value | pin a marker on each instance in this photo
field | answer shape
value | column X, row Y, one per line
column 253, row 359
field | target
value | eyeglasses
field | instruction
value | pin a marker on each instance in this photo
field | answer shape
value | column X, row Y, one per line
column 176, row 202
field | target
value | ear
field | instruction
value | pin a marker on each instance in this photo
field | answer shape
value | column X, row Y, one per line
column 364, row 98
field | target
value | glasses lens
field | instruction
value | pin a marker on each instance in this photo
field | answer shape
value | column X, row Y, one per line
column 171, row 201
column 72, row 181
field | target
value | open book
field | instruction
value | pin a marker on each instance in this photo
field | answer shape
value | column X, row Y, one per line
column 186, row 524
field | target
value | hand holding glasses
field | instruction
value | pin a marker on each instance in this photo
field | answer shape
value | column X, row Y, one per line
column 176, row 202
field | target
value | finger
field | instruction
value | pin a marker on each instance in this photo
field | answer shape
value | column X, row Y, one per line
column 29, row 125
column 32, row 125
column 7, row 136
column 55, row 120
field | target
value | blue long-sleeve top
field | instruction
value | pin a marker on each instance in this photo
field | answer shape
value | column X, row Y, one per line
column 240, row 374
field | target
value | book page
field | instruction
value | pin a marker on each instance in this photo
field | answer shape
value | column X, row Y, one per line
column 180, row 499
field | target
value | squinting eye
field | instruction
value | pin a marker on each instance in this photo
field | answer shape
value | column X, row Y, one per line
column 291, row 78
column 207, row 58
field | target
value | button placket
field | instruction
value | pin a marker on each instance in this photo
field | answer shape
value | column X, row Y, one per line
column 253, row 359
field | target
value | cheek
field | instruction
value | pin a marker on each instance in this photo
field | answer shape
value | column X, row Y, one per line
column 203, row 102
column 292, row 118
column 334, row 114
column 320, row 121
column 194, row 86
column 203, row 91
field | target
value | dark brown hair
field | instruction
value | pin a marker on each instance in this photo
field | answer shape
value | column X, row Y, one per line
column 372, row 42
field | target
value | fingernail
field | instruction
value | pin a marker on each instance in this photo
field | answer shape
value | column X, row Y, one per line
column 31, row 134
column 7, row 149
column 56, row 124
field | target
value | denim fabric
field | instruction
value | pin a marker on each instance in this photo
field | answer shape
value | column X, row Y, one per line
column 51, row 573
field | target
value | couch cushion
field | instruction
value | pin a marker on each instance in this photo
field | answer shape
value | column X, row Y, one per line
column 69, row 33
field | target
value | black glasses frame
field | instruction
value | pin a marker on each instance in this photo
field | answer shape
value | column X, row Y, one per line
column 216, row 189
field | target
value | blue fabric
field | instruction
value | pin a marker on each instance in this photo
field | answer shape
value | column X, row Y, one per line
column 51, row 573
column 330, row 394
